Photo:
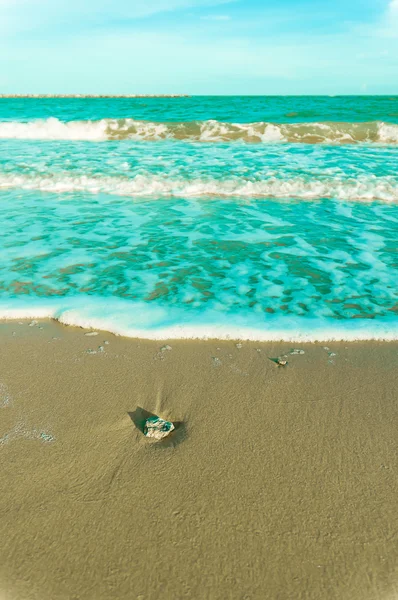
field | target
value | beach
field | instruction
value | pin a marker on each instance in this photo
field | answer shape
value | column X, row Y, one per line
column 279, row 483
column 167, row 256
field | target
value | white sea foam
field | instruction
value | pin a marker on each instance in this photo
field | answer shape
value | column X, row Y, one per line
column 54, row 129
column 201, row 131
column 362, row 188
column 388, row 132
column 141, row 320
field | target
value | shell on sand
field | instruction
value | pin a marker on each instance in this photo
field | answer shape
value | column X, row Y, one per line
column 157, row 428
column 282, row 362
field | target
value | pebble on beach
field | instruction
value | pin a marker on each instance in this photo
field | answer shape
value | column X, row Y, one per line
column 157, row 428
column 216, row 361
column 280, row 361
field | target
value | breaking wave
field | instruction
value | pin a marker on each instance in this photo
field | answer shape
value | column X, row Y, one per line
column 138, row 319
column 202, row 131
column 362, row 188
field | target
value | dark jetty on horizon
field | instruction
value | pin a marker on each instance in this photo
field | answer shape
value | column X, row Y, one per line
column 94, row 96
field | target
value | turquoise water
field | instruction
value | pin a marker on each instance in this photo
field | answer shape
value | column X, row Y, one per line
column 261, row 218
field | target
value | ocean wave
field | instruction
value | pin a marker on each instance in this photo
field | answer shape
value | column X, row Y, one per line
column 140, row 320
column 362, row 188
column 202, row 131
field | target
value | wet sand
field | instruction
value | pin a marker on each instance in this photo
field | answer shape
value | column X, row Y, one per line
column 280, row 484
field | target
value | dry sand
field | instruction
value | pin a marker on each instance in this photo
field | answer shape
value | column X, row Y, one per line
column 281, row 484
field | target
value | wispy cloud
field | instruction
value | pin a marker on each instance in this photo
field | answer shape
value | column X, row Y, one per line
column 394, row 6
column 373, row 55
column 215, row 18
column 30, row 14
column 388, row 27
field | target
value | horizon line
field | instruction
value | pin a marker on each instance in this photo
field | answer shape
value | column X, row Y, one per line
column 79, row 95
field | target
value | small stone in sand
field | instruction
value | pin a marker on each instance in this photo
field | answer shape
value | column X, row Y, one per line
column 106, row 342
column 296, row 351
column 101, row 349
column 46, row 437
column 238, row 345
column 165, row 348
column 216, row 361
column 91, row 333
column 157, row 428
column 33, row 323
column 281, row 362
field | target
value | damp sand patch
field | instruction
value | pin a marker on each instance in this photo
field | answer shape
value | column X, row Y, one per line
column 21, row 431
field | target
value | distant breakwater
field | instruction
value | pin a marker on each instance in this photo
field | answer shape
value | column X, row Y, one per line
column 94, row 96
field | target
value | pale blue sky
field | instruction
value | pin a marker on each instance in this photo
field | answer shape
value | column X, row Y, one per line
column 199, row 46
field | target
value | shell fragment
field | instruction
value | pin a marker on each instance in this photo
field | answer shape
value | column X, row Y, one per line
column 157, row 428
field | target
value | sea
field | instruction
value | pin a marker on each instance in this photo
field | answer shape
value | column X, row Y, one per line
column 262, row 217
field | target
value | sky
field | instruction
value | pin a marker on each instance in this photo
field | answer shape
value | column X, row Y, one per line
column 199, row 46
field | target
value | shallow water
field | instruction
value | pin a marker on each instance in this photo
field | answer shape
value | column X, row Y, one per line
column 161, row 235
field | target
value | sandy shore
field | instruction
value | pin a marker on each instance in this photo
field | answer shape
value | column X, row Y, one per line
column 281, row 484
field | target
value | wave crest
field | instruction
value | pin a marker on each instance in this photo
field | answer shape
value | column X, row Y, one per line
column 140, row 320
column 362, row 188
column 202, row 131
